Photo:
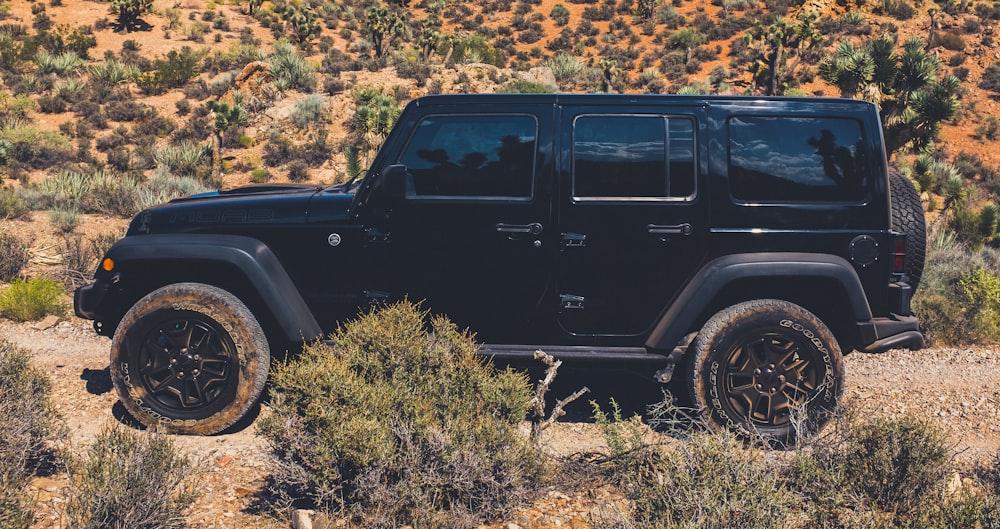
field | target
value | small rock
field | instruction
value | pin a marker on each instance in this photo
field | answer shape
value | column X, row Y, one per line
column 224, row 461
column 302, row 519
column 47, row 323
column 513, row 526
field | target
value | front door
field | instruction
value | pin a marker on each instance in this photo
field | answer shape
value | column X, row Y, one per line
column 633, row 224
column 473, row 235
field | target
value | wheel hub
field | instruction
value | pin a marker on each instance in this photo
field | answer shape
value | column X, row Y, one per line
column 185, row 364
column 770, row 379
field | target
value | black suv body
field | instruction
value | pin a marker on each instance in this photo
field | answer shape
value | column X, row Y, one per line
column 622, row 230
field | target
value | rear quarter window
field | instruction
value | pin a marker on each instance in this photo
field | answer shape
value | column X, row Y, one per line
column 797, row 159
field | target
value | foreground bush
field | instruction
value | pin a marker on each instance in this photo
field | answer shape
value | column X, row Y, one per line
column 887, row 473
column 875, row 474
column 394, row 425
column 27, row 420
column 129, row 480
column 710, row 480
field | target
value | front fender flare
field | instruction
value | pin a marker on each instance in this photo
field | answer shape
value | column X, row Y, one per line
column 718, row 273
column 252, row 257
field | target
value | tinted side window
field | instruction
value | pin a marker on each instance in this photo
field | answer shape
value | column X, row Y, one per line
column 642, row 157
column 472, row 156
column 797, row 159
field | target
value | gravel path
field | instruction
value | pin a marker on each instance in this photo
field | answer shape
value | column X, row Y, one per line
column 957, row 389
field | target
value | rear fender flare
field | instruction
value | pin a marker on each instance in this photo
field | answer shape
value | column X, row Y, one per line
column 716, row 275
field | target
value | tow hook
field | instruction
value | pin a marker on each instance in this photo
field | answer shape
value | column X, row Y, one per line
column 664, row 375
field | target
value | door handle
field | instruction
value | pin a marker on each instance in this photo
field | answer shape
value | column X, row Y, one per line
column 531, row 229
column 660, row 229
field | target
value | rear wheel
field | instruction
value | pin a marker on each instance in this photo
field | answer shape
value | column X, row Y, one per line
column 189, row 358
column 766, row 368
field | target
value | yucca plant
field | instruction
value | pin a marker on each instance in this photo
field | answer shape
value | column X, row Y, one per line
column 185, row 159
column 113, row 72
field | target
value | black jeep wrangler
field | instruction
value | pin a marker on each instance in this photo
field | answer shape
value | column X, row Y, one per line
column 746, row 241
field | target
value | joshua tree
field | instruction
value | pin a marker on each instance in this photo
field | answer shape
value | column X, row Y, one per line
column 383, row 24
column 129, row 11
column 774, row 45
column 912, row 99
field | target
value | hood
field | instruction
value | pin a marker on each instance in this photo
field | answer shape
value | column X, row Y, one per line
column 226, row 211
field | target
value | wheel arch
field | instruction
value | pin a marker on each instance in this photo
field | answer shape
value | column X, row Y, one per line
column 826, row 285
column 243, row 266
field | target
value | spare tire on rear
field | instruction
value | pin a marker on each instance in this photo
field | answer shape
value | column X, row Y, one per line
column 908, row 218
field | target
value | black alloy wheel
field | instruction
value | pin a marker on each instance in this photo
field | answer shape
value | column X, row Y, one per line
column 188, row 364
column 189, row 358
column 766, row 369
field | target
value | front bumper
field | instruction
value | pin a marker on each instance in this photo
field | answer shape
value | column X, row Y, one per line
column 98, row 301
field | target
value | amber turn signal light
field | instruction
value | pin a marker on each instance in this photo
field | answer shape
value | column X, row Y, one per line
column 107, row 264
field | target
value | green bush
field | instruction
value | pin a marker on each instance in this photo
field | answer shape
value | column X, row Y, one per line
column 959, row 299
column 130, row 480
column 13, row 256
column 520, row 86
column 32, row 299
column 27, row 420
column 398, row 425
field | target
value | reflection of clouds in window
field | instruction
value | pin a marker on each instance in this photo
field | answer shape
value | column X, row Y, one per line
column 803, row 166
column 641, row 151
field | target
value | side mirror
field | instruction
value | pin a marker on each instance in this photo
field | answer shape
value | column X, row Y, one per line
column 393, row 183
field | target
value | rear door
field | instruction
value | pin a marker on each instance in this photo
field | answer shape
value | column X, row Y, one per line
column 633, row 221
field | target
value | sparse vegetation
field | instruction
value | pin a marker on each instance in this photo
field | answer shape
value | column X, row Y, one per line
column 874, row 473
column 27, row 421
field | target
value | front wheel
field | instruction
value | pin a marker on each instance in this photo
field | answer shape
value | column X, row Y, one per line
column 189, row 358
column 766, row 368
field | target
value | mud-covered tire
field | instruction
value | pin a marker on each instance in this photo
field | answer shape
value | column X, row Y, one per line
column 766, row 369
column 908, row 218
column 189, row 358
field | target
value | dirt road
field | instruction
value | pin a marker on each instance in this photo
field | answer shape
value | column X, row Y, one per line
column 957, row 388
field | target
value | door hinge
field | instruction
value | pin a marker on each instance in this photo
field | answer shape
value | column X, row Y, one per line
column 574, row 240
column 571, row 302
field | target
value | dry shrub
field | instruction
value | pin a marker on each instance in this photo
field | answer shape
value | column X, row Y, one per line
column 886, row 473
column 710, row 480
column 13, row 256
column 130, row 480
column 394, row 425
column 27, row 421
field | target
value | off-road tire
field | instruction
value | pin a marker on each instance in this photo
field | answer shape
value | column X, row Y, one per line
column 908, row 218
column 189, row 358
column 766, row 369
